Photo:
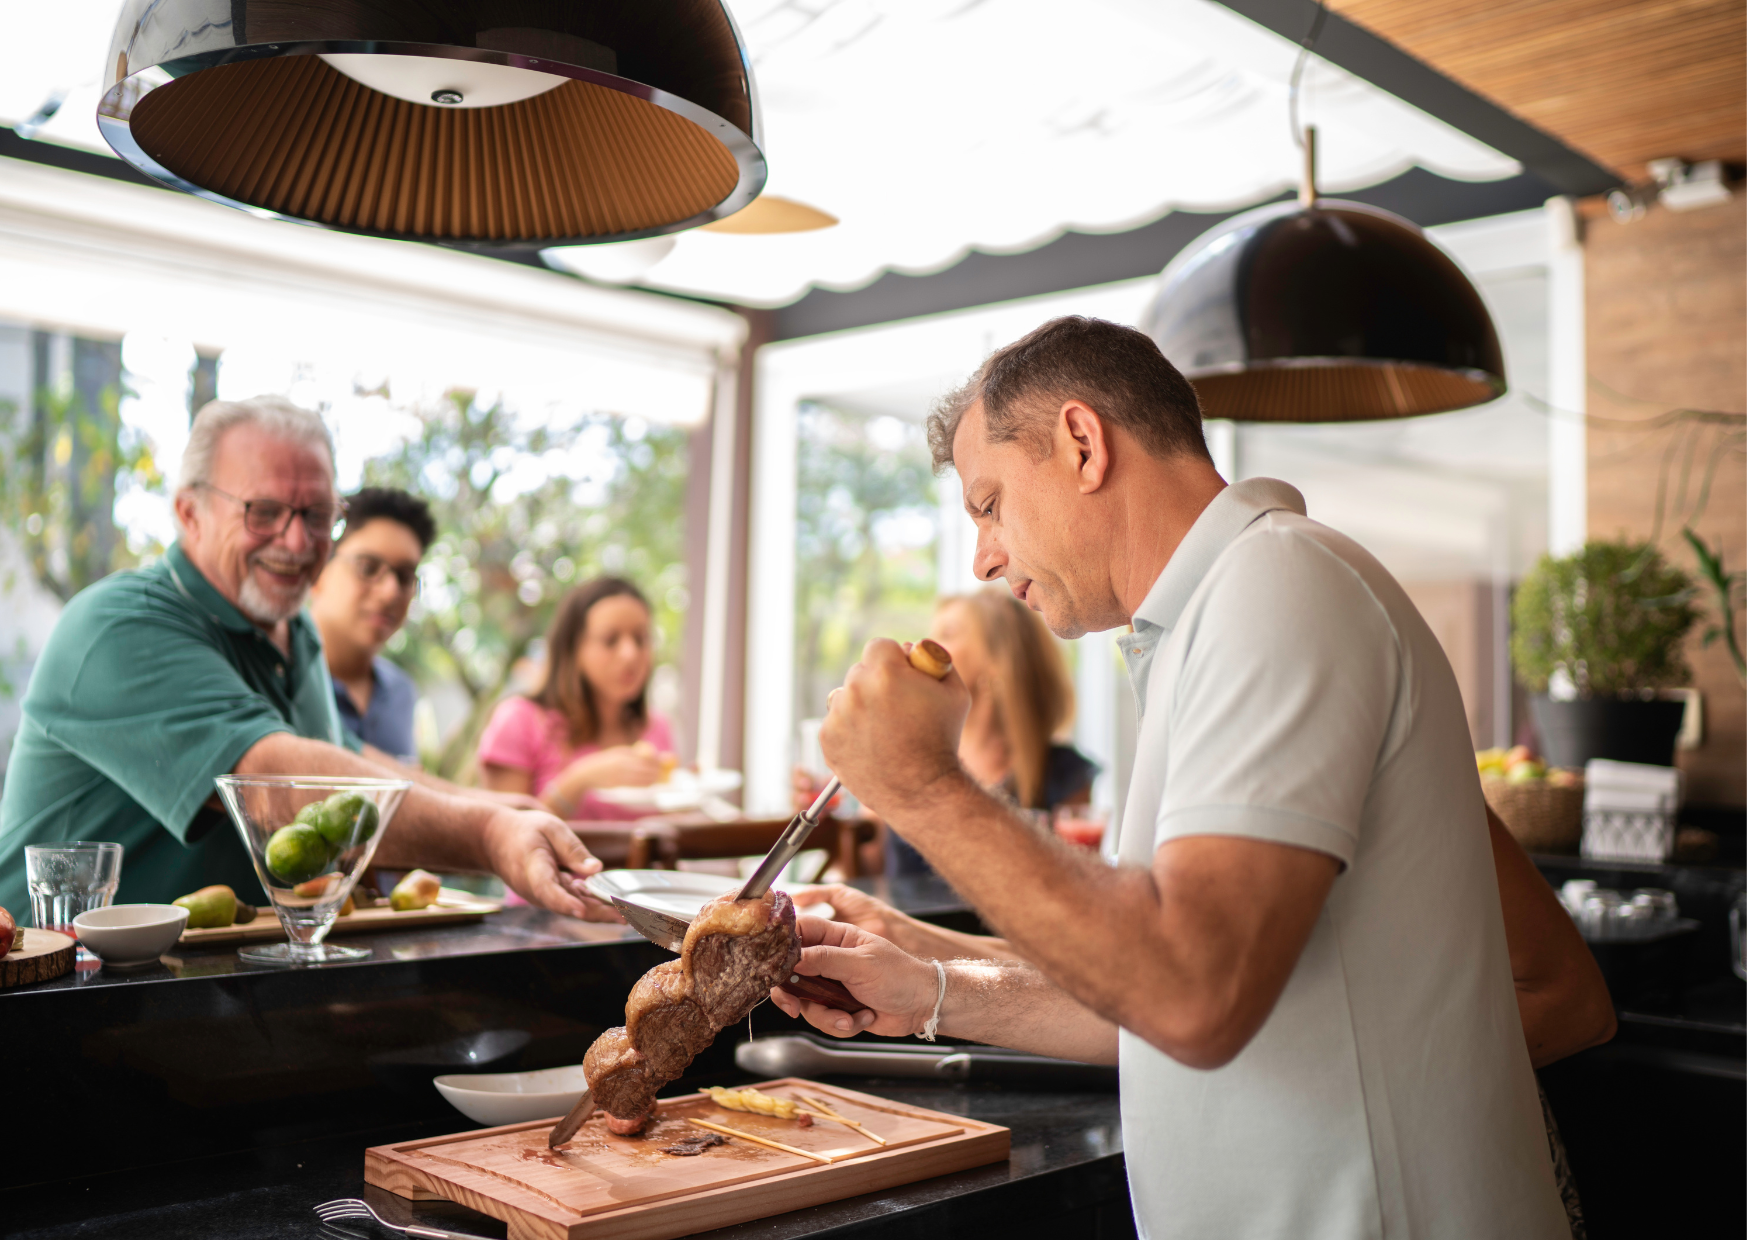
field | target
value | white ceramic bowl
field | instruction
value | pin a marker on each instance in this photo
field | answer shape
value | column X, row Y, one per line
column 129, row 935
column 493, row 1098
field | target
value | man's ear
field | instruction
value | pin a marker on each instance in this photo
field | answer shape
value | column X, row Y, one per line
column 187, row 515
column 1085, row 430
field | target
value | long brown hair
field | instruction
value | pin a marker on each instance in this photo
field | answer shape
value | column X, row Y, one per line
column 566, row 689
column 1033, row 696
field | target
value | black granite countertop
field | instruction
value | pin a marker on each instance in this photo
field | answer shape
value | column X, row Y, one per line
column 1065, row 1173
column 208, row 1097
column 512, row 930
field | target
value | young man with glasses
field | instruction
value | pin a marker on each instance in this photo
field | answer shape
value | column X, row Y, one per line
column 155, row 681
column 360, row 601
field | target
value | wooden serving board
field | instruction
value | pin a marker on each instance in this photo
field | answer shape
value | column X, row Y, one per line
column 453, row 908
column 46, row 954
column 604, row 1187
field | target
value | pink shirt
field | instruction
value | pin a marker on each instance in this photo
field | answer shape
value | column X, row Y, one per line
column 527, row 736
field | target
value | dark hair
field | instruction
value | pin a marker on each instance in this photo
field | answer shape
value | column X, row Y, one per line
column 389, row 504
column 566, row 690
column 1116, row 370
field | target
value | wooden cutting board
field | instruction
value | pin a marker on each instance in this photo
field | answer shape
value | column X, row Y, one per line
column 604, row 1187
column 46, row 954
column 453, row 908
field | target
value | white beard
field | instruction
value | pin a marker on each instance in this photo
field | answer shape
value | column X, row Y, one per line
column 254, row 603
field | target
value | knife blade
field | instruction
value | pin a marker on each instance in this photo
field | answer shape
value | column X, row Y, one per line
column 567, row 1127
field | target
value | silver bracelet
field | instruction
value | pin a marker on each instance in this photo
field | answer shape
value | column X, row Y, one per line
column 934, row 1022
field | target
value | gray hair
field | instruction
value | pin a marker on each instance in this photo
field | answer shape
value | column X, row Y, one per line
column 273, row 414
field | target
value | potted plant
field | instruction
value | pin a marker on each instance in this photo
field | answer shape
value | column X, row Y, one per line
column 1595, row 636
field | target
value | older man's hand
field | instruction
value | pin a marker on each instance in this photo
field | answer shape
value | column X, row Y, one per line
column 892, row 732
column 541, row 860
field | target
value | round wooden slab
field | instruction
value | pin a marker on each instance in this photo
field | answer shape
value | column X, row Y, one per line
column 46, row 954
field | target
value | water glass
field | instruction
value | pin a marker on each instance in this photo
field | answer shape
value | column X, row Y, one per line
column 1082, row 824
column 1659, row 900
column 68, row 879
column 1738, row 939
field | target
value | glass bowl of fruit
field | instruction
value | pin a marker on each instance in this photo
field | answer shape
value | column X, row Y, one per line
column 310, row 837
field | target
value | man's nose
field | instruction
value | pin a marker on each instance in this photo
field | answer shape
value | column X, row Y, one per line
column 990, row 561
column 295, row 538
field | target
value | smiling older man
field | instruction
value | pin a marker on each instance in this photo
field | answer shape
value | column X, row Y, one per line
column 155, row 681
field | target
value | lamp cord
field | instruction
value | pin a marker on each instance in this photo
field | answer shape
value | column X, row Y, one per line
column 1305, row 46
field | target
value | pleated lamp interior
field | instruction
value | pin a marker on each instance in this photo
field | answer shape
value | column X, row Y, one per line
column 291, row 134
column 1338, row 392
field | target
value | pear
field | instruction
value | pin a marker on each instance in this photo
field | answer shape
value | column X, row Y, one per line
column 210, row 907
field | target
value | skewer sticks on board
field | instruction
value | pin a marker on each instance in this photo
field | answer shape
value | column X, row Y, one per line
column 825, row 1111
column 726, row 1131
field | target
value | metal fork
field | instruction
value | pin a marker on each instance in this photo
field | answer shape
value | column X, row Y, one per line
column 353, row 1208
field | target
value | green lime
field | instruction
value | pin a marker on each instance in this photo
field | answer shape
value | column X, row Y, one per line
column 311, row 814
column 347, row 818
column 297, row 853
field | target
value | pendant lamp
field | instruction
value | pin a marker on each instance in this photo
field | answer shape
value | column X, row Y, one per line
column 486, row 123
column 1324, row 311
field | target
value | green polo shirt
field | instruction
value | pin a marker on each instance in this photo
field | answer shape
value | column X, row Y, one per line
column 150, row 685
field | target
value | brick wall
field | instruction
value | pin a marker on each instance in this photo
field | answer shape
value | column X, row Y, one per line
column 1666, row 329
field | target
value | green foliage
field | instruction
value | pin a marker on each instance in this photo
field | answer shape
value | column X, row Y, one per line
column 853, row 581
column 1611, row 617
column 516, row 528
column 1727, row 590
column 60, row 468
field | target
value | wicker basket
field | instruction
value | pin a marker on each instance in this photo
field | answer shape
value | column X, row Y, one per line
column 1545, row 818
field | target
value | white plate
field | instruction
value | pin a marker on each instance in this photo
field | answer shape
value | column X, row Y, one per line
column 684, row 789
column 679, row 892
column 494, row 1098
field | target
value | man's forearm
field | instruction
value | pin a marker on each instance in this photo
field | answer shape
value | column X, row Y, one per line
column 431, row 828
column 1190, row 954
column 1008, row 1003
column 1060, row 909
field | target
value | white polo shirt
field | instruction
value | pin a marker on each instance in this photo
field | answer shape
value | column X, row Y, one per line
column 1291, row 692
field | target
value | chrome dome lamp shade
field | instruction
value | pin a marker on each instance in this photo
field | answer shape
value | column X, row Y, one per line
column 1324, row 311
column 474, row 123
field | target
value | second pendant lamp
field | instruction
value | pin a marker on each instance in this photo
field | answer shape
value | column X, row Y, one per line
column 1322, row 310
column 466, row 122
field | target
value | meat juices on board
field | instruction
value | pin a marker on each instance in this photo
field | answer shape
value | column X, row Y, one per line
column 734, row 952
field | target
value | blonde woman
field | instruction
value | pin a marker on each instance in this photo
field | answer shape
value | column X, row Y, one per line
column 1021, row 701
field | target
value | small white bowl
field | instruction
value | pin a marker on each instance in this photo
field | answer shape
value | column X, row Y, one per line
column 127, row 936
column 494, row 1098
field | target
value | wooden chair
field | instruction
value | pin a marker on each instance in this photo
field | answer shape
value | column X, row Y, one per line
column 661, row 843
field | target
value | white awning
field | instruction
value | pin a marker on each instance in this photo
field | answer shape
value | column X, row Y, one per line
column 931, row 127
column 106, row 258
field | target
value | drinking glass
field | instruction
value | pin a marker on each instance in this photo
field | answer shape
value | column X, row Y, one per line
column 68, row 879
column 310, row 837
column 1082, row 824
column 1738, row 940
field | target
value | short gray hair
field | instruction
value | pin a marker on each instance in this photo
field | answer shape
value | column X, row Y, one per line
column 273, row 414
column 1117, row 370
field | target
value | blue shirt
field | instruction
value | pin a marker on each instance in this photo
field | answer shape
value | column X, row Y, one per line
column 388, row 724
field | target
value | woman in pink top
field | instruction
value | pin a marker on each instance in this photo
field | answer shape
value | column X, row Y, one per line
column 589, row 726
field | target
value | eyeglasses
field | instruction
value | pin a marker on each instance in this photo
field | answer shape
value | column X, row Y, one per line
column 371, row 569
column 268, row 518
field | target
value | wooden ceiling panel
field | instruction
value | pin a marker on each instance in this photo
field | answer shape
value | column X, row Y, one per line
column 1623, row 81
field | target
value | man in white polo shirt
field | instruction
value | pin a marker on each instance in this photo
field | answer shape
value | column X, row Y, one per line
column 1298, row 960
